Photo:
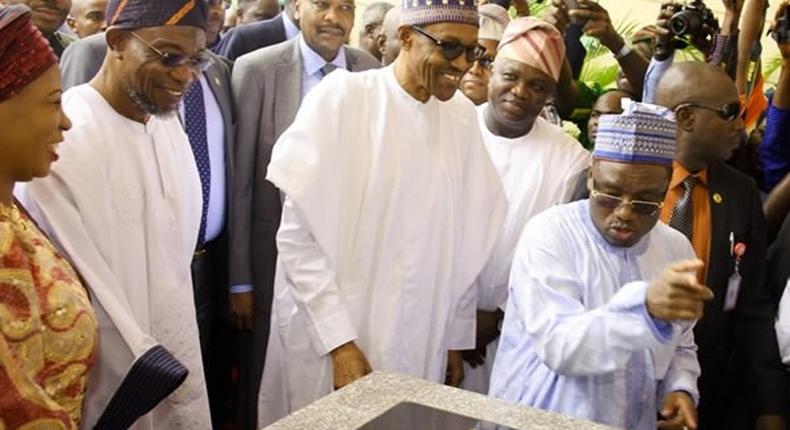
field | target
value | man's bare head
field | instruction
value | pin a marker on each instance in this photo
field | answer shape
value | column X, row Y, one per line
column 706, row 103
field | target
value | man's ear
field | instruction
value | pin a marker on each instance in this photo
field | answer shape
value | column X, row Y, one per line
column 590, row 176
column 116, row 41
column 685, row 119
column 381, row 42
column 298, row 9
column 406, row 38
column 72, row 23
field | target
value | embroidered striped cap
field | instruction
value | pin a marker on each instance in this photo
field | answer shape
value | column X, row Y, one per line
column 424, row 12
column 493, row 21
column 24, row 52
column 133, row 14
column 534, row 42
column 643, row 134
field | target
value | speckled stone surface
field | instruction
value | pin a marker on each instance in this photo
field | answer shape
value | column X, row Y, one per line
column 366, row 399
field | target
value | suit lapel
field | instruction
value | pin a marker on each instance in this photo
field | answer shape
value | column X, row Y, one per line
column 719, row 235
column 221, row 94
column 288, row 85
column 351, row 60
column 279, row 29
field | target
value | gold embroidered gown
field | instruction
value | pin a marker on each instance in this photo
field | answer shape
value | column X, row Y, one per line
column 47, row 330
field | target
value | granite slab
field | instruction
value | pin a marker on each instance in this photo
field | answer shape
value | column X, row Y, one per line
column 358, row 403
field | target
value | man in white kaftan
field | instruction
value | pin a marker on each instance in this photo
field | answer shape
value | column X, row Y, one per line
column 603, row 296
column 538, row 163
column 124, row 203
column 392, row 208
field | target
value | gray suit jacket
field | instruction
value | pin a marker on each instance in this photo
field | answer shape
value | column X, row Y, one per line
column 267, row 88
column 82, row 60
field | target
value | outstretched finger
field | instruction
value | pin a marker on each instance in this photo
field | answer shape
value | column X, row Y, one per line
column 687, row 265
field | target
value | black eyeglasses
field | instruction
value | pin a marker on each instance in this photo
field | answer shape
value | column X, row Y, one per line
column 453, row 50
column 198, row 63
column 641, row 207
column 729, row 112
column 486, row 62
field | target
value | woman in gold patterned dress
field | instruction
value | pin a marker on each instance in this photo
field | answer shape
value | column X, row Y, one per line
column 47, row 326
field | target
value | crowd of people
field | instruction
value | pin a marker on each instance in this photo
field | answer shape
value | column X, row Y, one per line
column 212, row 215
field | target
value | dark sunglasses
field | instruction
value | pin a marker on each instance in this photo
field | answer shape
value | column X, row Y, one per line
column 641, row 207
column 453, row 50
column 729, row 112
column 198, row 63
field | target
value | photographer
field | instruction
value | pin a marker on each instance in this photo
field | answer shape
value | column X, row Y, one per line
column 575, row 98
column 775, row 151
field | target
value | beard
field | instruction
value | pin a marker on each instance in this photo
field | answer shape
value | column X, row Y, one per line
column 144, row 103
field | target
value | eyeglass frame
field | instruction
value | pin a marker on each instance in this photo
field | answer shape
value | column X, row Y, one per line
column 477, row 50
column 186, row 61
column 724, row 111
column 656, row 206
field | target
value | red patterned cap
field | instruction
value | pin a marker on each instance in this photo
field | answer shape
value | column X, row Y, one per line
column 24, row 52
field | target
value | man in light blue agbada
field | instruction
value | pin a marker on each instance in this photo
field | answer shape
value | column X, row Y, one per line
column 603, row 296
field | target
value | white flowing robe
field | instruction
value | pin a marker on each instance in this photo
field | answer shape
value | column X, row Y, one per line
column 392, row 209
column 538, row 170
column 577, row 338
column 124, row 203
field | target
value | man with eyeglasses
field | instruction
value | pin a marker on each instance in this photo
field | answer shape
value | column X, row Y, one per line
column 493, row 21
column 537, row 162
column 391, row 209
column 603, row 296
column 719, row 210
column 127, row 205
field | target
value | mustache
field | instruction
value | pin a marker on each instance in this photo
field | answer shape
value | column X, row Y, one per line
column 621, row 225
column 322, row 28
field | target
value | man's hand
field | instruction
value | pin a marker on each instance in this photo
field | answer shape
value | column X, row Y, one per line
column 487, row 332
column 558, row 16
column 455, row 369
column 348, row 364
column 676, row 294
column 522, row 7
column 597, row 24
column 242, row 310
column 664, row 35
column 784, row 48
column 678, row 412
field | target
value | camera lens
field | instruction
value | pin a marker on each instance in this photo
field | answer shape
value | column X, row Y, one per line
column 686, row 22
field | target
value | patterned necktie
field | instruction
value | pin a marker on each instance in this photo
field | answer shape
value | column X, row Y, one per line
column 683, row 213
column 195, row 123
column 327, row 69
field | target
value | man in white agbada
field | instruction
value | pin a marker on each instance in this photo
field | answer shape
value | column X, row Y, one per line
column 603, row 296
column 538, row 162
column 392, row 208
column 124, row 203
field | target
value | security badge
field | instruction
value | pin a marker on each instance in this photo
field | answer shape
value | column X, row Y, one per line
column 737, row 251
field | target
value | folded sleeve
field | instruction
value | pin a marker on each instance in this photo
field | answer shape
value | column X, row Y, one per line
column 313, row 284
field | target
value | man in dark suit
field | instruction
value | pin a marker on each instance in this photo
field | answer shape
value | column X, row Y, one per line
column 268, row 87
column 207, row 115
column 247, row 38
column 719, row 210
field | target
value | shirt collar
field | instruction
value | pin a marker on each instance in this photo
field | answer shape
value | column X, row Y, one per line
column 679, row 174
column 291, row 30
column 312, row 62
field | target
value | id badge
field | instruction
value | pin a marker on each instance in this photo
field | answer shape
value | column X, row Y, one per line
column 733, row 287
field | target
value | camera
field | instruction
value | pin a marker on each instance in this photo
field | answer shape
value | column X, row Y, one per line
column 691, row 20
column 781, row 33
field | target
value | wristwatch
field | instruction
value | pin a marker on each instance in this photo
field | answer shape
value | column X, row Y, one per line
column 625, row 50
